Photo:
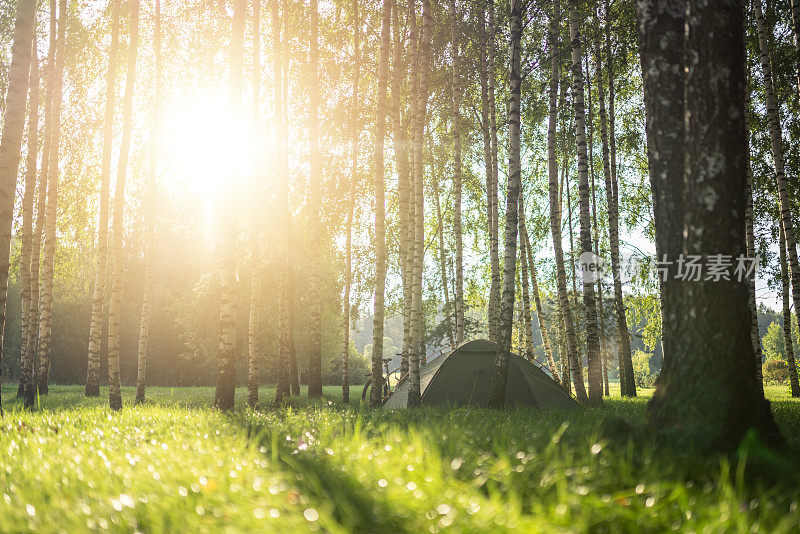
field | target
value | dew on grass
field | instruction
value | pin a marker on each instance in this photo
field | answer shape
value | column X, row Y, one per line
column 383, row 483
column 311, row 514
column 183, row 492
column 411, row 486
column 31, row 510
column 639, row 489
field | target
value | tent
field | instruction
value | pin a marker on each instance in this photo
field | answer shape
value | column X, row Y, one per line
column 462, row 378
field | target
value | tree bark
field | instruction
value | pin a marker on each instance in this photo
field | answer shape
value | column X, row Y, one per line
column 570, row 353
column 527, row 316
column 376, row 393
column 11, row 141
column 99, row 293
column 417, row 325
column 497, row 388
column 150, row 219
column 457, row 230
column 26, row 367
column 315, row 201
column 708, row 396
column 114, row 311
column 442, row 255
column 226, row 352
column 787, row 322
column 254, row 319
column 36, row 242
column 590, row 308
column 495, row 295
column 348, row 273
column 49, row 249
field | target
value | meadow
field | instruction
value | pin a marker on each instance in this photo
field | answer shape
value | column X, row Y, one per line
column 175, row 464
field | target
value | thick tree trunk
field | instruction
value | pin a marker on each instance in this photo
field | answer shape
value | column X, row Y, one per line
column 778, row 159
column 315, row 201
column 49, row 249
column 661, row 31
column 796, row 31
column 11, row 144
column 226, row 353
column 114, row 391
column 99, row 293
column 497, row 388
column 26, row 367
column 570, row 353
column 348, row 273
column 150, row 219
column 457, row 230
column 787, row 322
column 420, row 119
column 595, row 372
column 36, row 241
column 708, row 395
column 376, row 392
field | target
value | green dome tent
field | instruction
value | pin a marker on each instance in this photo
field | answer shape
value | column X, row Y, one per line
column 462, row 378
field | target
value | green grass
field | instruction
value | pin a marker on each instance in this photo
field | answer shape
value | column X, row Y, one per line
column 176, row 465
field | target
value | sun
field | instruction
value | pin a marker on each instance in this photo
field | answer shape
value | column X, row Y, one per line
column 206, row 148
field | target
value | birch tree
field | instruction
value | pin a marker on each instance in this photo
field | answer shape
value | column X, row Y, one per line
column 380, row 208
column 226, row 354
column 497, row 388
column 49, row 249
column 32, row 155
column 787, row 321
column 114, row 393
column 149, row 202
column 99, row 292
column 16, row 98
column 315, row 201
column 31, row 345
column 420, row 118
column 457, row 230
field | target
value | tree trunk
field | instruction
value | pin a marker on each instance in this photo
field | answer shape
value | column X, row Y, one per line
column 590, row 308
column 226, row 353
column 49, row 249
column 442, row 255
column 11, row 143
column 376, row 392
column 787, row 321
column 150, row 219
column 36, row 241
column 457, row 231
column 796, row 31
column 570, row 354
column 627, row 383
column 254, row 319
column 315, row 201
column 531, row 265
column 661, row 31
column 527, row 316
column 404, row 178
column 410, row 226
column 708, row 395
column 99, row 293
column 491, row 184
column 114, row 311
column 348, row 273
column 494, row 305
column 497, row 388
column 417, row 325
column 778, row 159
column 291, row 365
column 26, row 367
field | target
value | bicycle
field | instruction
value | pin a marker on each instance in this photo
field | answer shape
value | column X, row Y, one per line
column 385, row 378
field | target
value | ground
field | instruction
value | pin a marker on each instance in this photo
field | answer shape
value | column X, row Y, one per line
column 174, row 464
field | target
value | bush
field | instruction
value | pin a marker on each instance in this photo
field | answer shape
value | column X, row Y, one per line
column 776, row 371
column 641, row 369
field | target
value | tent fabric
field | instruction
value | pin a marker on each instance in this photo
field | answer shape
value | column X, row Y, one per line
column 462, row 378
